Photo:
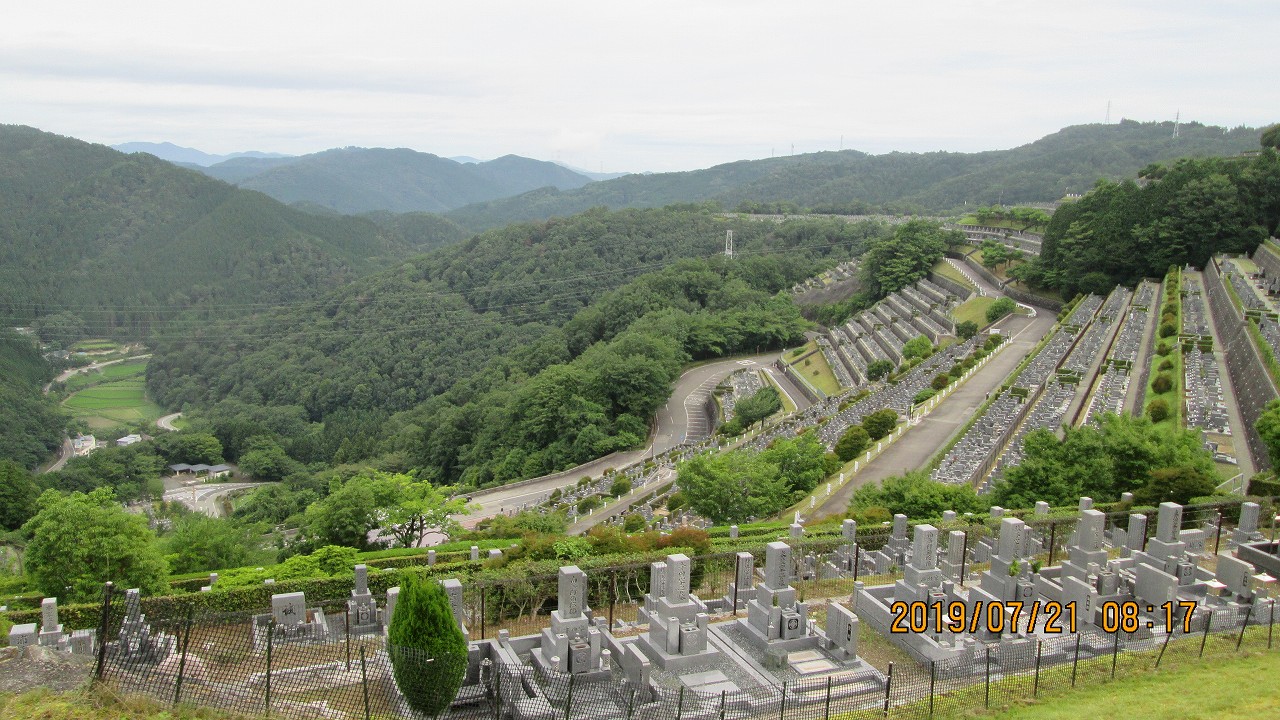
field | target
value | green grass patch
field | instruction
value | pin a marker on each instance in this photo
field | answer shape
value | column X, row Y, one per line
column 95, row 345
column 1189, row 692
column 1174, row 395
column 948, row 271
column 119, row 371
column 114, row 403
column 975, row 309
column 813, row 367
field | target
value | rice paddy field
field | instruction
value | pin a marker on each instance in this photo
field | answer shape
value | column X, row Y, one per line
column 119, row 398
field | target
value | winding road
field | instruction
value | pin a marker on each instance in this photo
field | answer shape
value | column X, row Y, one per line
column 681, row 419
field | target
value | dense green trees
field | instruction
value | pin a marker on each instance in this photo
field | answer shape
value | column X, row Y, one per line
column 18, row 494
column 1001, row 307
column 738, row 485
column 916, row 496
column 80, row 541
column 367, row 500
column 880, row 423
column 896, row 262
column 917, row 347
column 852, row 443
column 515, row 354
column 1122, row 454
column 1184, row 213
column 199, row 543
column 752, row 409
column 32, row 425
column 1268, row 427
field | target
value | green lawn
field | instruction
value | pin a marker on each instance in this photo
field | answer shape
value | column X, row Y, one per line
column 945, row 269
column 95, row 345
column 119, row 371
column 1220, row 689
column 975, row 309
column 815, row 369
column 114, row 403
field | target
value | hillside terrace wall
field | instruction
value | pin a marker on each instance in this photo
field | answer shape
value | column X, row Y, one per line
column 1249, row 378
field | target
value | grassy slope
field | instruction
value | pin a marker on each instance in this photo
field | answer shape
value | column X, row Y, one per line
column 815, row 369
column 1218, row 690
column 974, row 309
column 946, row 270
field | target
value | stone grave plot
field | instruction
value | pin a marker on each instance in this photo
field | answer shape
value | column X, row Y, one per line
column 987, row 435
column 1109, row 395
column 290, row 622
column 1205, row 398
column 1046, row 413
column 51, row 634
column 1195, row 319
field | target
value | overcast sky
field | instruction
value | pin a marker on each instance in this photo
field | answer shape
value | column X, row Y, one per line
column 633, row 86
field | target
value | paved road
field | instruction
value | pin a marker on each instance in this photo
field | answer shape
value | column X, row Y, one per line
column 204, row 497
column 64, row 454
column 166, row 422
column 680, row 419
column 919, row 443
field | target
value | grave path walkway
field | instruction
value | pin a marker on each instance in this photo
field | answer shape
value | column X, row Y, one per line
column 934, row 431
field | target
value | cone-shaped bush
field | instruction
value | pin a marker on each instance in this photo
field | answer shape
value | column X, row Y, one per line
column 428, row 651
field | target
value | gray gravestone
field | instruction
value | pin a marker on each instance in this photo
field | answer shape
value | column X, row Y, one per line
column 289, row 608
column 1169, row 522
column 678, row 569
column 924, row 553
column 777, row 565
column 573, row 590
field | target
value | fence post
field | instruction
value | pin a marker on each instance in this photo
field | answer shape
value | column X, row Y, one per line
column 680, row 703
column 364, row 682
column 1115, row 654
column 964, row 556
column 631, row 704
column 826, row 714
column 568, row 703
column 182, row 661
column 102, row 630
column 346, row 629
column 933, row 679
column 270, row 634
column 987, row 699
column 888, row 687
column 1053, row 536
column 1208, row 623
column 1271, row 623
column 1247, row 614
column 782, row 706
column 1035, row 688
column 1218, row 542
column 1164, row 647
column 483, row 592
column 613, row 595
column 723, row 693
column 1075, row 664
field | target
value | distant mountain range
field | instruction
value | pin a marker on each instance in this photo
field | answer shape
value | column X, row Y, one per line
column 185, row 155
column 850, row 182
column 84, row 227
column 359, row 180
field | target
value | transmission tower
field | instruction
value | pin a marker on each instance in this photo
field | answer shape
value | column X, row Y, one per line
column 728, row 243
column 1177, row 119
column 1108, row 120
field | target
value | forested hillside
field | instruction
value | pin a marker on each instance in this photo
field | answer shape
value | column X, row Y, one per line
column 852, row 182
column 359, row 180
column 84, row 228
column 30, row 425
column 1177, row 214
column 518, row 352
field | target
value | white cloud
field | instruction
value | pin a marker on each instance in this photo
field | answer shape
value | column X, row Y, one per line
column 638, row 86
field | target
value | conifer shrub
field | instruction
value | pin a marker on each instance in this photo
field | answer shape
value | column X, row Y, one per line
column 427, row 649
column 1158, row 410
column 1163, row 383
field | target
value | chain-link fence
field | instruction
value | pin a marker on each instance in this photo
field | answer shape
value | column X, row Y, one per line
column 323, row 667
